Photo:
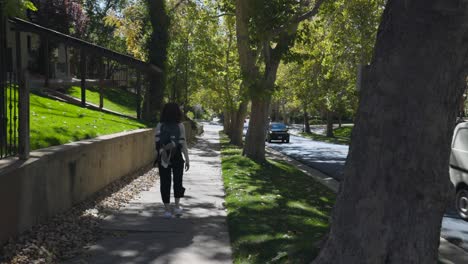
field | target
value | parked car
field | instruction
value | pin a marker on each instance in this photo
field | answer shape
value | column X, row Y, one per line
column 277, row 131
column 459, row 168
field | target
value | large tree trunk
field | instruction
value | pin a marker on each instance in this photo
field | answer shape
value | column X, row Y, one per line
column 255, row 139
column 396, row 181
column 330, row 124
column 238, row 124
column 284, row 113
column 227, row 121
column 306, row 121
column 158, row 44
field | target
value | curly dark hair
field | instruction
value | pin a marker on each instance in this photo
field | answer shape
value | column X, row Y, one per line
column 171, row 113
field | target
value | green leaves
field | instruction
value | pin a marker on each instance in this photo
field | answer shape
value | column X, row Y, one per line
column 322, row 66
column 29, row 5
column 17, row 7
column 131, row 28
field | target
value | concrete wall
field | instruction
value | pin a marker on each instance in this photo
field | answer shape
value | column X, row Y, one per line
column 56, row 178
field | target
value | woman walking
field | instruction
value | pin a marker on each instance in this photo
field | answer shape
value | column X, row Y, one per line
column 170, row 145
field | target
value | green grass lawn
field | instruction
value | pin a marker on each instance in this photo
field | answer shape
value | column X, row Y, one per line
column 342, row 136
column 55, row 123
column 115, row 99
column 276, row 214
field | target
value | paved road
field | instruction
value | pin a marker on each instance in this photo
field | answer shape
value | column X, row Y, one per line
column 325, row 157
column 331, row 158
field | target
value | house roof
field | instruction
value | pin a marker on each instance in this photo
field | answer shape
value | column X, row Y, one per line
column 25, row 26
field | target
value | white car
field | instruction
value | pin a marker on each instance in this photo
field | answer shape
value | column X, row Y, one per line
column 459, row 168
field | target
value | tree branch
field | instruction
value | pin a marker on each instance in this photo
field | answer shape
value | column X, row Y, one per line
column 246, row 54
column 298, row 19
column 177, row 5
column 223, row 14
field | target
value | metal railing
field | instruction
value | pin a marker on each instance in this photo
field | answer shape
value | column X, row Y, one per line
column 9, row 111
column 88, row 65
column 14, row 99
column 10, row 114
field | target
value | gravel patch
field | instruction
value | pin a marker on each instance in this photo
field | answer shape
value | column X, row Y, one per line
column 66, row 235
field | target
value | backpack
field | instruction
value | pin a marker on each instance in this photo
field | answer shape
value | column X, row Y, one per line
column 169, row 143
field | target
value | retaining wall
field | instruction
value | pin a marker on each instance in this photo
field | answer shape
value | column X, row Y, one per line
column 56, row 178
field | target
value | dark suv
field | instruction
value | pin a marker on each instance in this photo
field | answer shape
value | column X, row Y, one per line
column 277, row 131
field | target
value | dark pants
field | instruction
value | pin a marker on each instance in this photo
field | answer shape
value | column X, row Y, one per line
column 165, row 178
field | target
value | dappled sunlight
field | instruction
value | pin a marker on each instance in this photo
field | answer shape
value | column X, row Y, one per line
column 275, row 212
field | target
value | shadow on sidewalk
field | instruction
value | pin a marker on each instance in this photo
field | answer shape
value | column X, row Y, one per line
column 141, row 235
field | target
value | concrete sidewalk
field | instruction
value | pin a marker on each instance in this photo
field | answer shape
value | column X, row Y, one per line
column 139, row 234
column 448, row 252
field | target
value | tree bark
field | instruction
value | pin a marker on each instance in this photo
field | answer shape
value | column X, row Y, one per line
column 284, row 113
column 306, row 121
column 330, row 124
column 227, row 122
column 237, row 125
column 396, row 181
column 158, row 45
column 255, row 138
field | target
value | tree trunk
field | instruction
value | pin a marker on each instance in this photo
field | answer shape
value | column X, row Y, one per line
column 306, row 121
column 396, row 181
column 340, row 124
column 330, row 124
column 461, row 110
column 237, row 125
column 284, row 113
column 255, row 140
column 227, row 122
column 158, row 45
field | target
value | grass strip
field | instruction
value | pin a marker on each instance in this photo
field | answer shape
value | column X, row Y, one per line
column 115, row 99
column 276, row 213
column 342, row 136
column 56, row 123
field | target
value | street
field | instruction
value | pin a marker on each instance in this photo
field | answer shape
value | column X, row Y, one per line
column 330, row 159
column 325, row 157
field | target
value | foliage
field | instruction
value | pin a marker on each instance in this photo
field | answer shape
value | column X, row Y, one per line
column 203, row 67
column 132, row 27
column 17, row 7
column 321, row 68
column 66, row 16
column 98, row 31
column 276, row 214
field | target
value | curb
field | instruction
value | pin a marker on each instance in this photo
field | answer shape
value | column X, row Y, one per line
column 317, row 175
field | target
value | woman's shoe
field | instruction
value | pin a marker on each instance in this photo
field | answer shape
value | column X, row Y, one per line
column 167, row 214
column 178, row 211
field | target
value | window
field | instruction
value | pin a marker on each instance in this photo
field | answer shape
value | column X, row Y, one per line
column 278, row 126
column 461, row 139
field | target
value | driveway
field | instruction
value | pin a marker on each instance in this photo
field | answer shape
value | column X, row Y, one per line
column 330, row 159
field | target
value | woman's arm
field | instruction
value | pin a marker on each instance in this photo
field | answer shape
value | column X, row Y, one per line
column 183, row 143
column 156, row 139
